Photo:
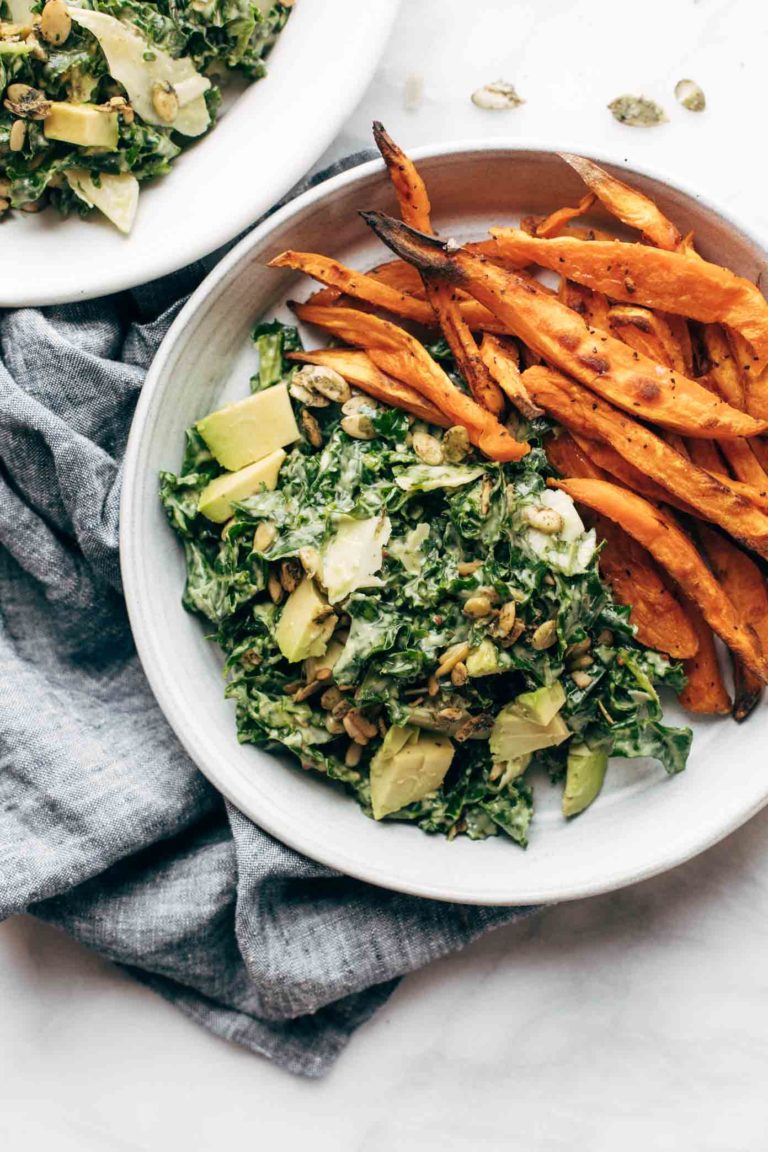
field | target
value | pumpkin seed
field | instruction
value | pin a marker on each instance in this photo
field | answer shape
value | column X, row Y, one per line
column 637, row 111
column 544, row 636
column 456, row 444
column 311, row 429
column 506, row 620
column 498, row 96
column 55, row 22
column 353, row 755
column 264, row 536
column 451, row 657
column 304, row 396
column 22, row 100
column 543, row 519
column 165, row 101
column 477, row 607
column 359, row 427
column 357, row 403
column 275, row 588
column 327, row 382
column 690, row 95
column 427, row 448
column 18, row 135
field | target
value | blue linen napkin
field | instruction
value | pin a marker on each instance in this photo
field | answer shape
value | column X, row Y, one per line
column 107, row 829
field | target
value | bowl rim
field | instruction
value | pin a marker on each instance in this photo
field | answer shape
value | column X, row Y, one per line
column 331, row 855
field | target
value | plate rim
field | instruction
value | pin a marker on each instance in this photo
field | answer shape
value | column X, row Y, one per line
column 334, row 856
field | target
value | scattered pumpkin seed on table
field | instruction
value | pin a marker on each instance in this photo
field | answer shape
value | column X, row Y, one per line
column 637, row 111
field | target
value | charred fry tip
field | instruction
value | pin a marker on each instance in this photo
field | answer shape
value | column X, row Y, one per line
column 427, row 253
column 744, row 706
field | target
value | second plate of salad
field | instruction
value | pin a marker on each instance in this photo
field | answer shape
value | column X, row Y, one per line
column 138, row 137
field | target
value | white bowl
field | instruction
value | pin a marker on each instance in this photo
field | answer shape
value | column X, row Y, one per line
column 265, row 141
column 643, row 823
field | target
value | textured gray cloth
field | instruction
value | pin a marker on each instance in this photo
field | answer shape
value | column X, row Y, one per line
column 106, row 827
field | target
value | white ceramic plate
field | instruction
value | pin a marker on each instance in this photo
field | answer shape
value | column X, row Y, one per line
column 643, row 823
column 271, row 135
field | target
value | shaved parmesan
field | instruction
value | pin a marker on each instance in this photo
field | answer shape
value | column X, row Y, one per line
column 125, row 49
column 116, row 196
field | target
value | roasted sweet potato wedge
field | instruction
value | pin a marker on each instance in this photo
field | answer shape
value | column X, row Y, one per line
column 593, row 306
column 637, row 274
column 399, row 354
column 561, row 337
column 705, row 693
column 634, row 576
column 553, row 224
column 672, row 549
column 710, row 497
column 502, row 361
column 648, row 333
column 745, row 584
column 415, row 209
column 358, row 369
column 626, row 203
column 361, row 286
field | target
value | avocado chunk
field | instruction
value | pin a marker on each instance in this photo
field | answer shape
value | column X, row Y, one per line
column 408, row 766
column 513, row 736
column 306, row 623
column 542, row 705
column 83, row 124
column 483, row 660
column 584, row 777
column 251, row 429
column 216, row 498
column 528, row 724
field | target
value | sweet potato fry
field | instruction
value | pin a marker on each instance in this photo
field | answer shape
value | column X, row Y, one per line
column 502, row 361
column 747, row 689
column 561, row 337
column 647, row 333
column 399, row 354
column 360, row 286
column 760, row 448
column 711, row 497
column 706, row 455
column 466, row 353
column 357, row 368
column 410, row 189
column 743, row 463
column 672, row 549
column 681, row 334
column 605, row 457
column 416, row 209
column 634, row 576
column 753, row 373
column 552, row 225
column 745, row 585
column 705, row 693
column 722, row 366
column 626, row 204
column 593, row 306
column 636, row 274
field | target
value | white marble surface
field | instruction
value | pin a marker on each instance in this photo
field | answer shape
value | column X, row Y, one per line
column 629, row 1021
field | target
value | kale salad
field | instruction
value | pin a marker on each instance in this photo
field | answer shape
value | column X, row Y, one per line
column 415, row 622
column 102, row 95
